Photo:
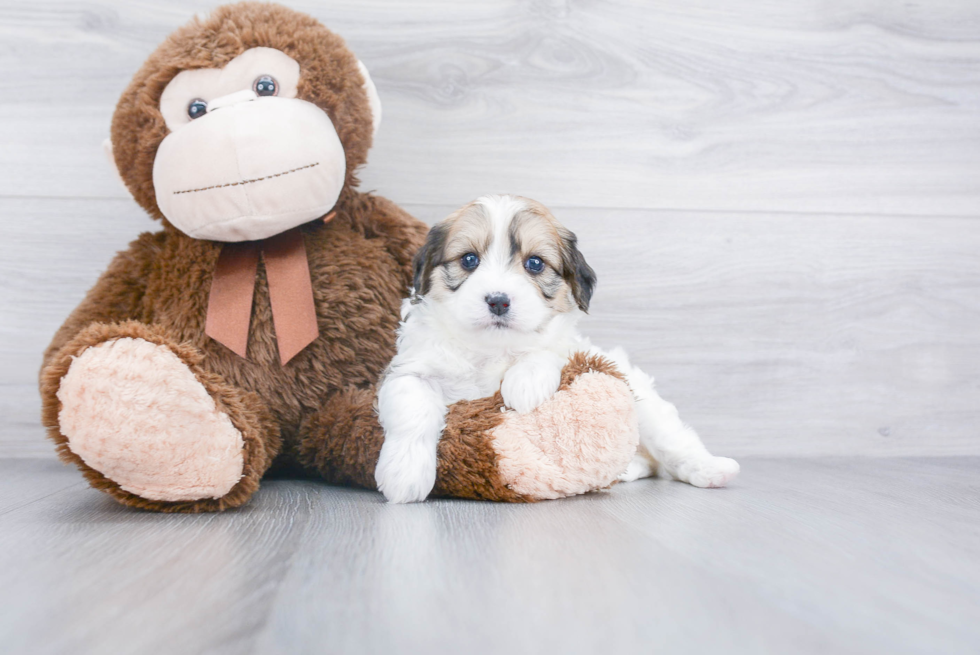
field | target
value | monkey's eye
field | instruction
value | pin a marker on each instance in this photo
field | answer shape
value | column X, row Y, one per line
column 469, row 261
column 265, row 86
column 197, row 108
column 534, row 265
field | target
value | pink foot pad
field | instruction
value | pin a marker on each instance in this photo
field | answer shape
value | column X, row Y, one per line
column 133, row 411
column 581, row 439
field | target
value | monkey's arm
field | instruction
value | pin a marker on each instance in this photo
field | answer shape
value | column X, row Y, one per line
column 115, row 297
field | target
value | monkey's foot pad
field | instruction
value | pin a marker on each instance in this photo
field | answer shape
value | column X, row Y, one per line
column 580, row 440
column 133, row 411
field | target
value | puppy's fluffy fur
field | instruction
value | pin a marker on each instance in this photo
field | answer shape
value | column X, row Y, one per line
column 499, row 288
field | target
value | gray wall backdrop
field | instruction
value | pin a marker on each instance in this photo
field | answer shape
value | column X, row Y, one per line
column 781, row 199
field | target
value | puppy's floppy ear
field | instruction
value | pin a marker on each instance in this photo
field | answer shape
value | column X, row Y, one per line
column 428, row 257
column 575, row 270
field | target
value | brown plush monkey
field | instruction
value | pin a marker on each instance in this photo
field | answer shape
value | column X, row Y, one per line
column 253, row 327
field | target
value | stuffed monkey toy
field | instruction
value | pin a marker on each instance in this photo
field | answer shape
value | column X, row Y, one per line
column 252, row 329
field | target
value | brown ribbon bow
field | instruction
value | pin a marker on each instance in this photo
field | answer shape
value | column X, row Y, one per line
column 290, row 293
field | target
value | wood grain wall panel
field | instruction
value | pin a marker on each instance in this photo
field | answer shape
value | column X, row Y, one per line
column 861, row 107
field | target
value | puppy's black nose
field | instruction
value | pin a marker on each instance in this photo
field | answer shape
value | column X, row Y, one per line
column 499, row 303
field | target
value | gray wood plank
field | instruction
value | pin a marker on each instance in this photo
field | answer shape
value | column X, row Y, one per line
column 24, row 481
column 815, row 523
column 774, row 333
column 21, row 433
column 838, row 566
column 861, row 107
column 799, row 555
column 83, row 574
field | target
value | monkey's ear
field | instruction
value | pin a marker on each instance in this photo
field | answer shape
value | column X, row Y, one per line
column 107, row 151
column 427, row 258
column 575, row 270
column 373, row 100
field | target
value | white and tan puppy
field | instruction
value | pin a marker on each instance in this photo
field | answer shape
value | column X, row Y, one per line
column 499, row 288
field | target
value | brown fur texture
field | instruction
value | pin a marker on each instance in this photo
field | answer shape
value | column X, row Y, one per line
column 581, row 363
column 329, row 78
column 467, row 463
column 359, row 264
column 314, row 415
column 341, row 442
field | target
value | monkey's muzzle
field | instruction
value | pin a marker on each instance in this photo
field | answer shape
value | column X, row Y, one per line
column 253, row 167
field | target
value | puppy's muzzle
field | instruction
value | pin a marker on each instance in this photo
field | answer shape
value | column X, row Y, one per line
column 499, row 303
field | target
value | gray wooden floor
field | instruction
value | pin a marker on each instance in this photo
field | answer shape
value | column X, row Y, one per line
column 817, row 555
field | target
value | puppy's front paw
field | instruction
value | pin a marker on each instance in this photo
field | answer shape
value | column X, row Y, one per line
column 526, row 386
column 713, row 472
column 406, row 471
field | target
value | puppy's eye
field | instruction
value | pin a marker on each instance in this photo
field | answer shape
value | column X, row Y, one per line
column 197, row 108
column 534, row 265
column 265, row 86
column 469, row 261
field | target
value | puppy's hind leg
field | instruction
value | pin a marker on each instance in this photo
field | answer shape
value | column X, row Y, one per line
column 413, row 415
column 643, row 465
column 673, row 445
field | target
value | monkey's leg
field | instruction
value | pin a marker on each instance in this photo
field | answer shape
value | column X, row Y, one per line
column 578, row 441
column 341, row 442
column 145, row 422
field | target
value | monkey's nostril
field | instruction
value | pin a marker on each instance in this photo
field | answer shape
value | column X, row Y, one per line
column 499, row 303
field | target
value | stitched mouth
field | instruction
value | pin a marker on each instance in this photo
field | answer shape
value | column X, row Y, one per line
column 242, row 182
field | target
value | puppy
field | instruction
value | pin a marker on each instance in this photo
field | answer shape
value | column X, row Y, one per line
column 499, row 288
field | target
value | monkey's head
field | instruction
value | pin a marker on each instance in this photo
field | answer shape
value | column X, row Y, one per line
column 245, row 124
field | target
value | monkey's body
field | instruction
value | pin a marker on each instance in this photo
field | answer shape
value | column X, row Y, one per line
column 360, row 264
column 161, row 416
